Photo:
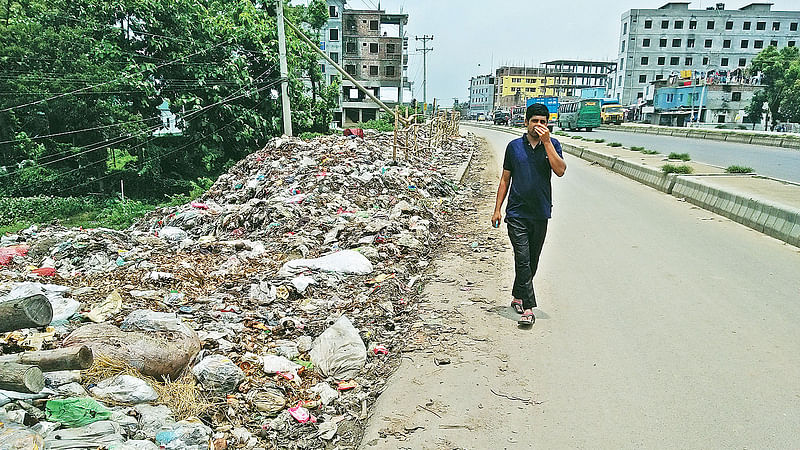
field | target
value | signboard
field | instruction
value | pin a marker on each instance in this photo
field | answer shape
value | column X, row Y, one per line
column 322, row 45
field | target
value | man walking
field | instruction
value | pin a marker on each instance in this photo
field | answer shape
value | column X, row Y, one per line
column 527, row 166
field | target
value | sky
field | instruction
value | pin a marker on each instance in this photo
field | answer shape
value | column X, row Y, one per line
column 472, row 37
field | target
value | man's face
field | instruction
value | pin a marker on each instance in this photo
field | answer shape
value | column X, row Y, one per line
column 533, row 121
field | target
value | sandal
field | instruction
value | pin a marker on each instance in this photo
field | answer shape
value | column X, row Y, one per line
column 527, row 319
column 517, row 305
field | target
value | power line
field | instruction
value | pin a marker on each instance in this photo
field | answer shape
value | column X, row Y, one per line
column 425, row 38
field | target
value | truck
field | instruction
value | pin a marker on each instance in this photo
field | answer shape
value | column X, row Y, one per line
column 612, row 113
column 550, row 102
column 501, row 118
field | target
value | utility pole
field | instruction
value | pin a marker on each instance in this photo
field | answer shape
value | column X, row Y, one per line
column 287, row 109
column 425, row 38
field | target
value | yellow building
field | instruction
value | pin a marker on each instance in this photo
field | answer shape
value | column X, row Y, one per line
column 514, row 85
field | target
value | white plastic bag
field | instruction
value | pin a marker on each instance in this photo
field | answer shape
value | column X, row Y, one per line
column 345, row 261
column 125, row 389
column 218, row 373
column 339, row 351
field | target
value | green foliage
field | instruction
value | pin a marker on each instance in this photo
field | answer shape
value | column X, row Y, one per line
column 377, row 124
column 42, row 209
column 308, row 135
column 119, row 214
column 682, row 169
column 649, row 152
column 599, row 141
column 637, row 149
column 781, row 79
column 614, row 144
column 680, row 156
column 739, row 169
column 215, row 62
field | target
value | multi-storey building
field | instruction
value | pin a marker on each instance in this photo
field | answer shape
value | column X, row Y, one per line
column 374, row 48
column 514, row 85
column 567, row 78
column 331, row 42
column 657, row 43
column 481, row 95
column 675, row 102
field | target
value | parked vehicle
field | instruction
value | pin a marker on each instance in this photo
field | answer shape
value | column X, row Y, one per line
column 612, row 114
column 481, row 117
column 552, row 106
column 517, row 116
column 501, row 118
column 580, row 113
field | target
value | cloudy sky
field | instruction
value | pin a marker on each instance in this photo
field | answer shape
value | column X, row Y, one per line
column 472, row 36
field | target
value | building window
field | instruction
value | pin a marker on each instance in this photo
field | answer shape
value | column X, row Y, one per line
column 790, row 43
column 761, row 26
column 642, row 78
column 793, row 26
column 625, row 28
column 729, row 25
column 708, row 43
column 373, row 25
column 661, row 60
column 648, row 24
column 333, row 34
column 758, row 44
column 373, row 47
column 745, row 43
column 776, row 26
column 389, row 71
column 705, row 60
column 659, row 77
column 350, row 47
column 373, row 70
column 322, row 69
column 664, row 24
column 646, row 42
column 746, row 26
column 662, row 42
column 674, row 61
column 390, row 48
column 639, row 95
column 645, row 60
column 690, row 43
column 773, row 43
column 710, row 25
column 351, row 25
column 351, row 69
column 334, row 79
column 335, row 57
column 678, row 24
column 623, row 46
column 688, row 61
column 742, row 62
column 726, row 43
column 676, row 43
column 736, row 96
column 724, row 62
column 692, row 24
column 333, row 11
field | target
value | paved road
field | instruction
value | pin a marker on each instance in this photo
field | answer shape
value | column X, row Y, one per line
column 660, row 325
column 775, row 162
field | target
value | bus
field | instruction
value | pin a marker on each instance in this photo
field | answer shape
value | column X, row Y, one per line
column 612, row 113
column 579, row 113
column 552, row 106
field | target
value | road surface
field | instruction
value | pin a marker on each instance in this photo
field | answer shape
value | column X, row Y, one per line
column 783, row 163
column 660, row 325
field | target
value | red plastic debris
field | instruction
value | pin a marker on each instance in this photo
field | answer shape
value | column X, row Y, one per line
column 354, row 132
column 8, row 253
column 199, row 205
column 45, row 272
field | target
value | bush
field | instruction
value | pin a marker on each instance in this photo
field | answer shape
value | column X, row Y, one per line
column 681, row 156
column 599, row 141
column 682, row 169
column 649, row 152
column 43, row 209
column 377, row 124
column 308, row 135
column 739, row 169
column 615, row 144
column 637, row 149
column 120, row 215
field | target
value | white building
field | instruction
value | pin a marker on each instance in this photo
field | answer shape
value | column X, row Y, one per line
column 657, row 43
column 481, row 95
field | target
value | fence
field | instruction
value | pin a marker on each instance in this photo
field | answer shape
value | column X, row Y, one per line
column 413, row 134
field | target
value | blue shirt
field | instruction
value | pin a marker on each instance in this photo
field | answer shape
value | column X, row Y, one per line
column 531, row 195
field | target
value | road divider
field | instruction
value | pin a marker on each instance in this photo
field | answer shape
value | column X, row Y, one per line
column 764, row 204
column 737, row 136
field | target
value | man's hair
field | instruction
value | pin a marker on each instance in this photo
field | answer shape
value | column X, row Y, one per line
column 536, row 109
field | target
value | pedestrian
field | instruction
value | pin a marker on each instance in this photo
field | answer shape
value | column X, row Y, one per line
column 527, row 168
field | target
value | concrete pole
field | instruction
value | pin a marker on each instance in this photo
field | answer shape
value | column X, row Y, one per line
column 287, row 108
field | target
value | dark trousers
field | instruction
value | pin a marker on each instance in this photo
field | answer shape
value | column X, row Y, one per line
column 527, row 238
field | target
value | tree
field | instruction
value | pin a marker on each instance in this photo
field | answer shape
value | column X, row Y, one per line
column 755, row 110
column 777, row 78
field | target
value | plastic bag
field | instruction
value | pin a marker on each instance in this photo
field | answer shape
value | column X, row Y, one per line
column 125, row 389
column 102, row 311
column 339, row 351
column 345, row 261
column 76, row 412
column 17, row 437
column 95, row 435
column 218, row 373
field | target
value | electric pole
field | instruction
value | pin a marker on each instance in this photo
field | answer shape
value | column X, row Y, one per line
column 425, row 38
column 287, row 109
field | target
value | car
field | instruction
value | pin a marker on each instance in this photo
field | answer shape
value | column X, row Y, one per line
column 501, row 118
column 481, row 117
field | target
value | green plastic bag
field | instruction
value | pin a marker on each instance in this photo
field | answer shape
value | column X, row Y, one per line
column 76, row 412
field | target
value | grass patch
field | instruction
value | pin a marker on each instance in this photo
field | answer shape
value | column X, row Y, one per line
column 637, row 149
column 739, row 169
column 308, row 135
column 682, row 169
column 649, row 152
column 599, row 141
column 680, row 156
column 377, row 124
column 614, row 144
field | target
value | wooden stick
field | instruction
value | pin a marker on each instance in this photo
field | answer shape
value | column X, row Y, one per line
column 25, row 312
column 21, row 378
column 70, row 358
column 394, row 149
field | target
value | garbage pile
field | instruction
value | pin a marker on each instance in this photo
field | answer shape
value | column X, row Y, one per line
column 267, row 313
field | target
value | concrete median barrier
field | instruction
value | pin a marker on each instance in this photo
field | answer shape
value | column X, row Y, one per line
column 649, row 176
